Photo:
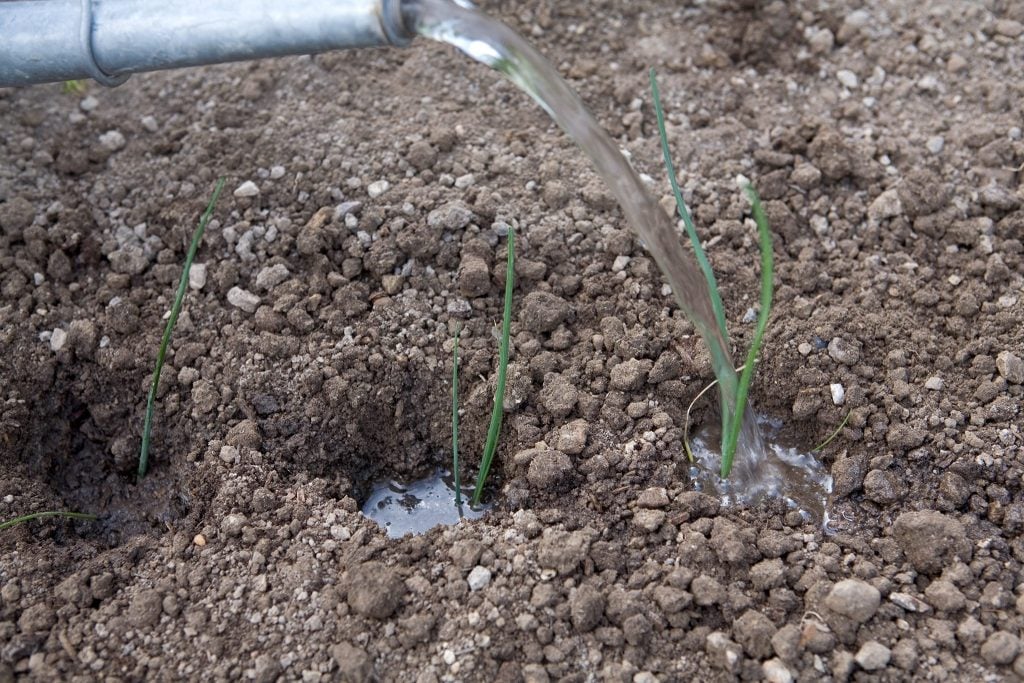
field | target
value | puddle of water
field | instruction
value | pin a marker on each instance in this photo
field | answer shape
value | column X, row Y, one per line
column 785, row 472
column 418, row 507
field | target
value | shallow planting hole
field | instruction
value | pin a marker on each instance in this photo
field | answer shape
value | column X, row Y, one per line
column 417, row 506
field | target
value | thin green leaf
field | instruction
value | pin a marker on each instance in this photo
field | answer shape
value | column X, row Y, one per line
column 702, row 260
column 821, row 446
column 684, row 213
column 49, row 513
column 499, row 391
column 767, row 286
column 175, row 309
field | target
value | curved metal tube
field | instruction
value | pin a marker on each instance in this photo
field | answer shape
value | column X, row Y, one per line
column 45, row 41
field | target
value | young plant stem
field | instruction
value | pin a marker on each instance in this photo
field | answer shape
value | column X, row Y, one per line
column 49, row 513
column 821, row 446
column 197, row 236
column 767, row 285
column 455, row 419
column 499, row 390
column 725, row 393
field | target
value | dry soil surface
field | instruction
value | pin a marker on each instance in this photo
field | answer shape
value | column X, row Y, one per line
column 368, row 199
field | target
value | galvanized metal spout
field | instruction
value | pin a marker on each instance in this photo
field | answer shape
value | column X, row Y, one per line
column 45, row 41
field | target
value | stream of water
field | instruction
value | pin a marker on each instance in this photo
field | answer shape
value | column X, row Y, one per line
column 493, row 43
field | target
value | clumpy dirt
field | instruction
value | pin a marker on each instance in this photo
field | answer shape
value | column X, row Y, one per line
column 368, row 198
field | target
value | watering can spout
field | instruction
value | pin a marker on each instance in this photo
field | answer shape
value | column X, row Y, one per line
column 58, row 40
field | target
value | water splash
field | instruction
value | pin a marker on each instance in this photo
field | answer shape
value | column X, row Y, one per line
column 492, row 43
column 418, row 507
column 784, row 472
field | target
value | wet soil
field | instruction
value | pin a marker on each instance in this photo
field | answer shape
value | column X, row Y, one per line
column 368, row 198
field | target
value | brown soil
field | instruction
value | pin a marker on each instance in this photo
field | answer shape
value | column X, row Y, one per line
column 887, row 145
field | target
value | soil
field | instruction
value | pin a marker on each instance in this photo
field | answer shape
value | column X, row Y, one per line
column 368, row 196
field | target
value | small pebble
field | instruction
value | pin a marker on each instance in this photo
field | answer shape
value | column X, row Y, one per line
column 271, row 276
column 89, row 103
column 838, row 394
column 934, row 384
column 478, row 578
column 243, row 299
column 197, row 276
column 377, row 188
column 855, row 599
column 247, row 189
column 150, row 124
column 112, row 140
column 872, row 656
column 776, row 672
column 847, row 78
column 935, row 144
column 1010, row 367
column 228, row 454
column 464, row 181
column 276, row 172
column 199, row 540
column 805, row 349
column 57, row 339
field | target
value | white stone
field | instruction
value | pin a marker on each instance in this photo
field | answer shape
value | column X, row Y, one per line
column 89, row 103
column 620, row 263
column 478, row 578
column 57, row 339
column 247, row 189
column 276, row 172
column 934, row 384
column 885, row 205
column 935, row 144
column 872, row 656
column 243, row 299
column 228, row 453
column 838, row 394
column 776, row 672
column 113, row 140
column 272, row 276
column 150, row 124
column 340, row 533
column 197, row 276
column 377, row 188
column 847, row 78
column 464, row 181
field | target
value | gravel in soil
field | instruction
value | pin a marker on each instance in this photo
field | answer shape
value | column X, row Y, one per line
column 370, row 193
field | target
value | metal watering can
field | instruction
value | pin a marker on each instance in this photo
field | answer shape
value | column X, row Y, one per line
column 44, row 41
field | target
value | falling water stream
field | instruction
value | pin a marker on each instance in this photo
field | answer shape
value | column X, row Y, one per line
column 755, row 472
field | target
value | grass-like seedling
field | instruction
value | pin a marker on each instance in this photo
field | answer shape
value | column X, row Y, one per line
column 455, row 419
column 821, row 446
column 42, row 515
column 75, row 87
column 499, row 390
column 732, row 407
column 197, row 236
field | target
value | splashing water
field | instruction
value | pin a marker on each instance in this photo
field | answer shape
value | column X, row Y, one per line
column 785, row 472
column 492, row 43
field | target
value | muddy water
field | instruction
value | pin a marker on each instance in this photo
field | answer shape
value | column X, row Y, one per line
column 496, row 45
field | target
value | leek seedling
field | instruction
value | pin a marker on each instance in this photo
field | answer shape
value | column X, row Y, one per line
column 499, row 390
column 147, row 426
column 732, row 414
